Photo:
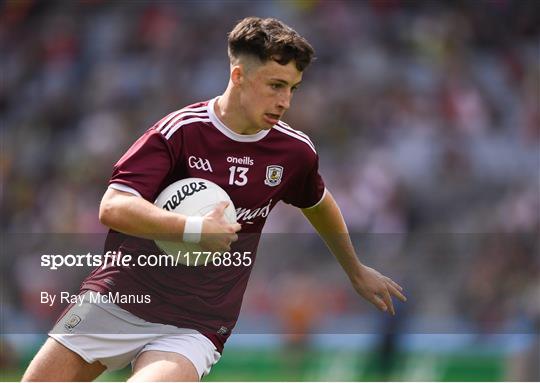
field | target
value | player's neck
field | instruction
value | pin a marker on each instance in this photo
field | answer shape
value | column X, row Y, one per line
column 230, row 113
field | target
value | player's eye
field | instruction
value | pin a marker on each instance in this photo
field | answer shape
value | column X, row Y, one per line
column 294, row 88
column 276, row 86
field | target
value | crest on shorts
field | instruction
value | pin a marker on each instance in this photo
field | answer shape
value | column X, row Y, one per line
column 72, row 321
column 274, row 173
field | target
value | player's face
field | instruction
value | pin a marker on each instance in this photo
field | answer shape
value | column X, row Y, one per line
column 267, row 92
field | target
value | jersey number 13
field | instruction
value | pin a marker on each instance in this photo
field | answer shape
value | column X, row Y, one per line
column 237, row 175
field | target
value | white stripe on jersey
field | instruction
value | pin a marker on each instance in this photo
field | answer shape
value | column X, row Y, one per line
column 283, row 124
column 185, row 122
column 286, row 126
column 180, row 116
column 124, row 188
column 297, row 136
column 170, row 116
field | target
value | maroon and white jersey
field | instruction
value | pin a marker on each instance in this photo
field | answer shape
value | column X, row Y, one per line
column 257, row 171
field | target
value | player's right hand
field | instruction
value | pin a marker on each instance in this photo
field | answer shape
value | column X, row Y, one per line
column 218, row 234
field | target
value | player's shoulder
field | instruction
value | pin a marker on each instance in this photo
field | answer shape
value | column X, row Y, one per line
column 296, row 138
column 190, row 115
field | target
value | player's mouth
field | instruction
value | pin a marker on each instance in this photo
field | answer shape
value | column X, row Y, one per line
column 272, row 118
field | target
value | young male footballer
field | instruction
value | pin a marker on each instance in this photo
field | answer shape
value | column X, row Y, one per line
column 238, row 141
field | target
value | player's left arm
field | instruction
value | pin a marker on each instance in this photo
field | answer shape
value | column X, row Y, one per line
column 327, row 219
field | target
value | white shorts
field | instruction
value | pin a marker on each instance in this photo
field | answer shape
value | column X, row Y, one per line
column 106, row 333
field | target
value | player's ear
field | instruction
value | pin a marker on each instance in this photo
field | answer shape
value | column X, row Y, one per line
column 237, row 74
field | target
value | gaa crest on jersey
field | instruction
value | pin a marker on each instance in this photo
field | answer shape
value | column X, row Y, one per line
column 274, row 173
column 72, row 321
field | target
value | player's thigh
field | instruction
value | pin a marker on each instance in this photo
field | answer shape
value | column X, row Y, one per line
column 54, row 362
column 163, row 366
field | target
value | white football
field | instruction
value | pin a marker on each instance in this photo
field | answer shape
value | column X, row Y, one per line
column 192, row 197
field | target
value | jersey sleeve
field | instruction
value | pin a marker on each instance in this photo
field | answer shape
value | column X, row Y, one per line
column 145, row 166
column 309, row 190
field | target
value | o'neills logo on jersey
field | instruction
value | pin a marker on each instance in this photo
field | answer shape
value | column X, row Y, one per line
column 182, row 193
column 250, row 214
column 246, row 160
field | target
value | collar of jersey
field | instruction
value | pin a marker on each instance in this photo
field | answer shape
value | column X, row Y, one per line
column 230, row 133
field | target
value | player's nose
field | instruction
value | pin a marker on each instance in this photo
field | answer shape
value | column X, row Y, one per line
column 284, row 102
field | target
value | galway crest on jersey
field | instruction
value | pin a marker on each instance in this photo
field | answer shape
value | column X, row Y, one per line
column 274, row 173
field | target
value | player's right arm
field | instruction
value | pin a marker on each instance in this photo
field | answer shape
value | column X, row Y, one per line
column 140, row 171
column 133, row 215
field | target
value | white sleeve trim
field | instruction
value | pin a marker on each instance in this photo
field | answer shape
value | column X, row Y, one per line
column 317, row 204
column 124, row 188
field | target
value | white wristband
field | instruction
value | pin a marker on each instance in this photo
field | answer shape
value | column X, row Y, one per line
column 193, row 229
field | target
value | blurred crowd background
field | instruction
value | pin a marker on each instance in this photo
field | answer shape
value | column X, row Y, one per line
column 425, row 114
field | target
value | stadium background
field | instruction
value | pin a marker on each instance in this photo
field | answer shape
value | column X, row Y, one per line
column 426, row 118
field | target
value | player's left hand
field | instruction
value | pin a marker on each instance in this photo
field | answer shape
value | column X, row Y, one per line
column 377, row 289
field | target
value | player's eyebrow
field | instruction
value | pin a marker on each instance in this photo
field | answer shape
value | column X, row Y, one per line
column 285, row 82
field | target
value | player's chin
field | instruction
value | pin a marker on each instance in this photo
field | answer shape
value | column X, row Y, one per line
column 265, row 125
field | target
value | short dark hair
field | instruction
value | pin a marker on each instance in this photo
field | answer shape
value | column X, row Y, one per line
column 269, row 39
